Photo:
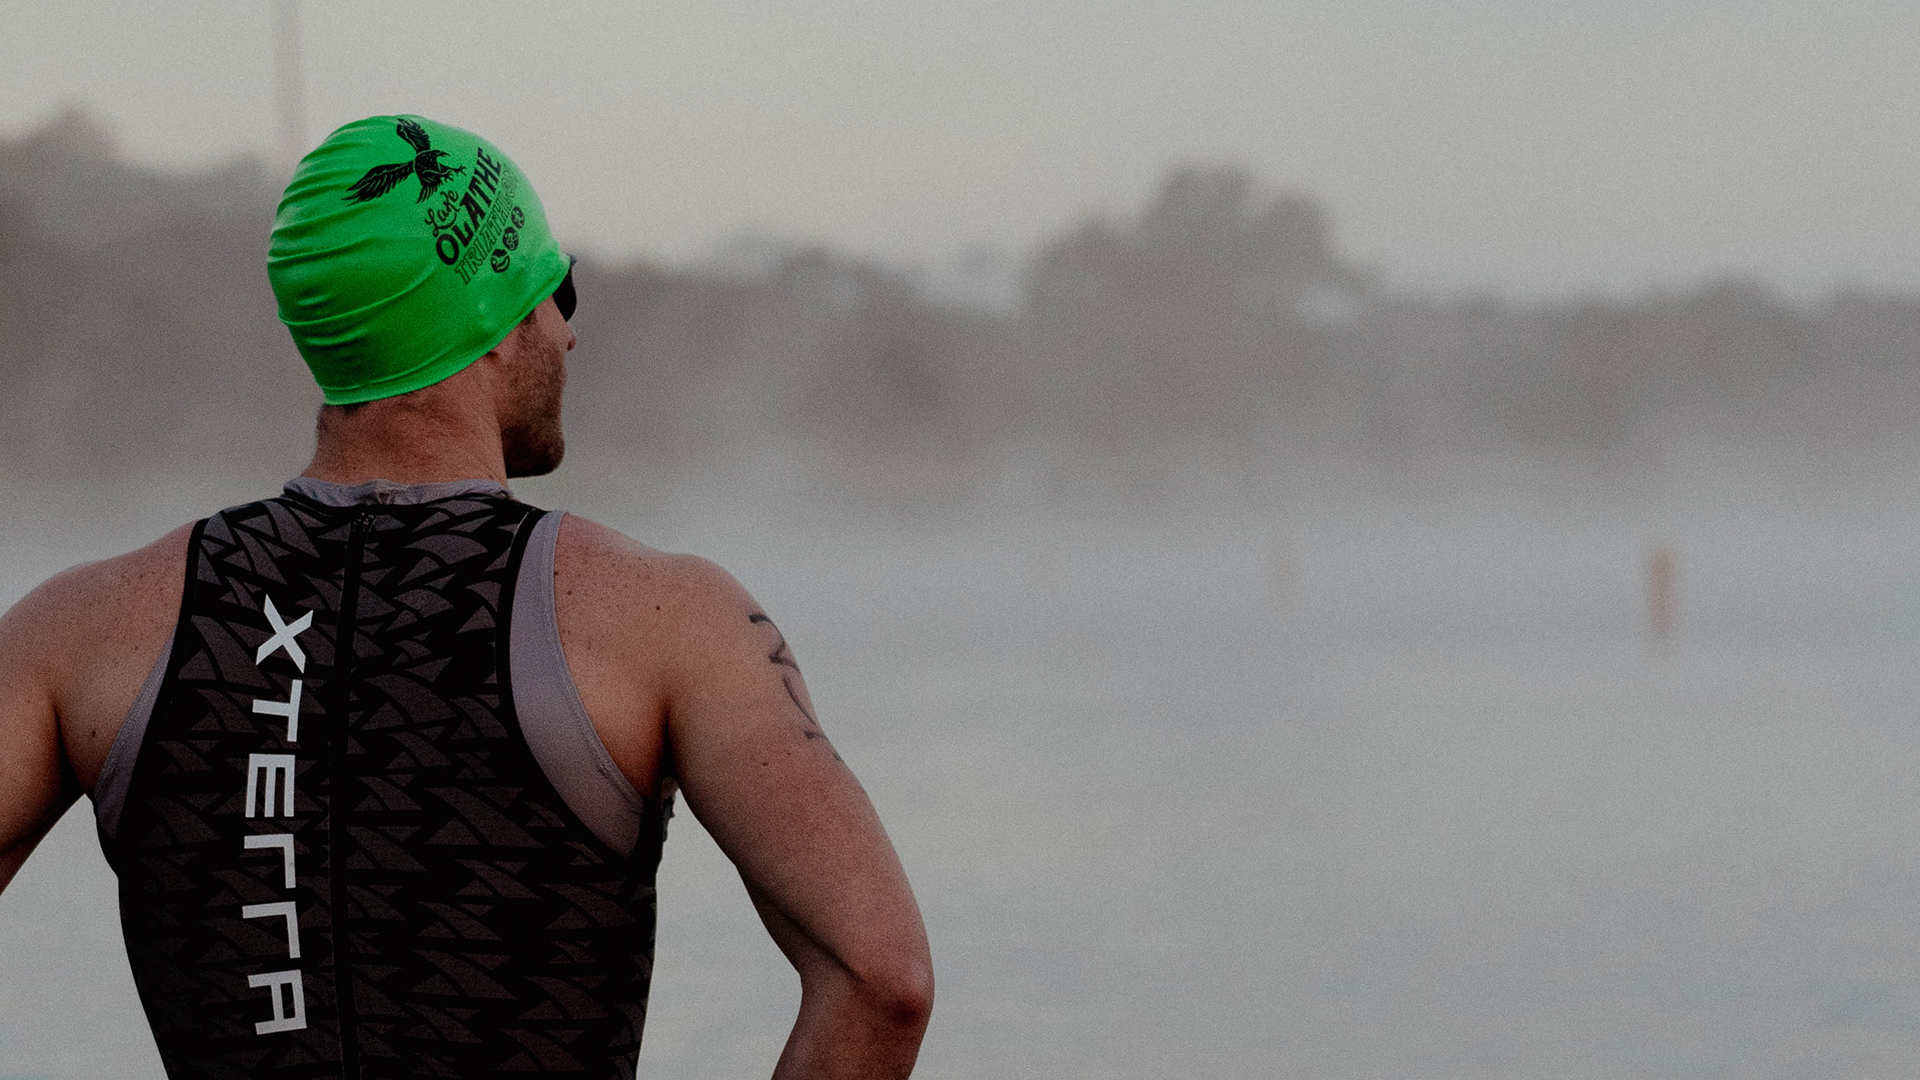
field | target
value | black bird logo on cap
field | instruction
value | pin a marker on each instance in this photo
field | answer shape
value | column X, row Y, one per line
column 425, row 164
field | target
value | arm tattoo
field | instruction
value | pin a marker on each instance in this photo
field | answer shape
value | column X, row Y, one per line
column 782, row 656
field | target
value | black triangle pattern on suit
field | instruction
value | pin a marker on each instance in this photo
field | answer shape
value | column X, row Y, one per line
column 482, row 928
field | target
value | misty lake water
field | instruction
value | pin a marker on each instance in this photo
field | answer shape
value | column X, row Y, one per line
column 1361, row 790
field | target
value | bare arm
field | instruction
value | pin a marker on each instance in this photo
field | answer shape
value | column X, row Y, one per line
column 72, row 656
column 36, row 786
column 755, row 766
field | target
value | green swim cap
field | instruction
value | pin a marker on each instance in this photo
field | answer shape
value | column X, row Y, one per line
column 403, row 250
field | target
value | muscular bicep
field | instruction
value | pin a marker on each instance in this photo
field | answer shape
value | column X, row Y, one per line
column 36, row 786
column 757, row 768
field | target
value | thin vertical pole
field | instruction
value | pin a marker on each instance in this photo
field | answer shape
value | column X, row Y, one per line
column 289, row 82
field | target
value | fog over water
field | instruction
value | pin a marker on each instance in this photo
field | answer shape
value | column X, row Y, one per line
column 1377, row 789
column 1254, row 660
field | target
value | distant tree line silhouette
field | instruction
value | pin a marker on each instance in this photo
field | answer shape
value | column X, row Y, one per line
column 1220, row 329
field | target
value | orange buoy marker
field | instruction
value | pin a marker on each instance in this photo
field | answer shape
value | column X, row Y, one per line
column 1660, row 589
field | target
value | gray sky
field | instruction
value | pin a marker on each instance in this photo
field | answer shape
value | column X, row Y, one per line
column 1523, row 145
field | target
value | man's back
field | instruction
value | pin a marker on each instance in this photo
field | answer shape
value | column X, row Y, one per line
column 85, row 641
column 333, row 825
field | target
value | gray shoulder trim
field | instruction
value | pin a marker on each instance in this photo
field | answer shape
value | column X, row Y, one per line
column 555, row 722
column 116, row 772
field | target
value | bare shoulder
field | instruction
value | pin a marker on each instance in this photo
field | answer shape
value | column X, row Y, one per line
column 625, row 583
column 87, row 637
column 105, row 597
column 639, row 627
column 590, row 542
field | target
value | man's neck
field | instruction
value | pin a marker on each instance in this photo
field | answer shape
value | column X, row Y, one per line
column 421, row 438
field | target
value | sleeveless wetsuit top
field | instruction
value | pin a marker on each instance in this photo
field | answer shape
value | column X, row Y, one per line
column 338, row 854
